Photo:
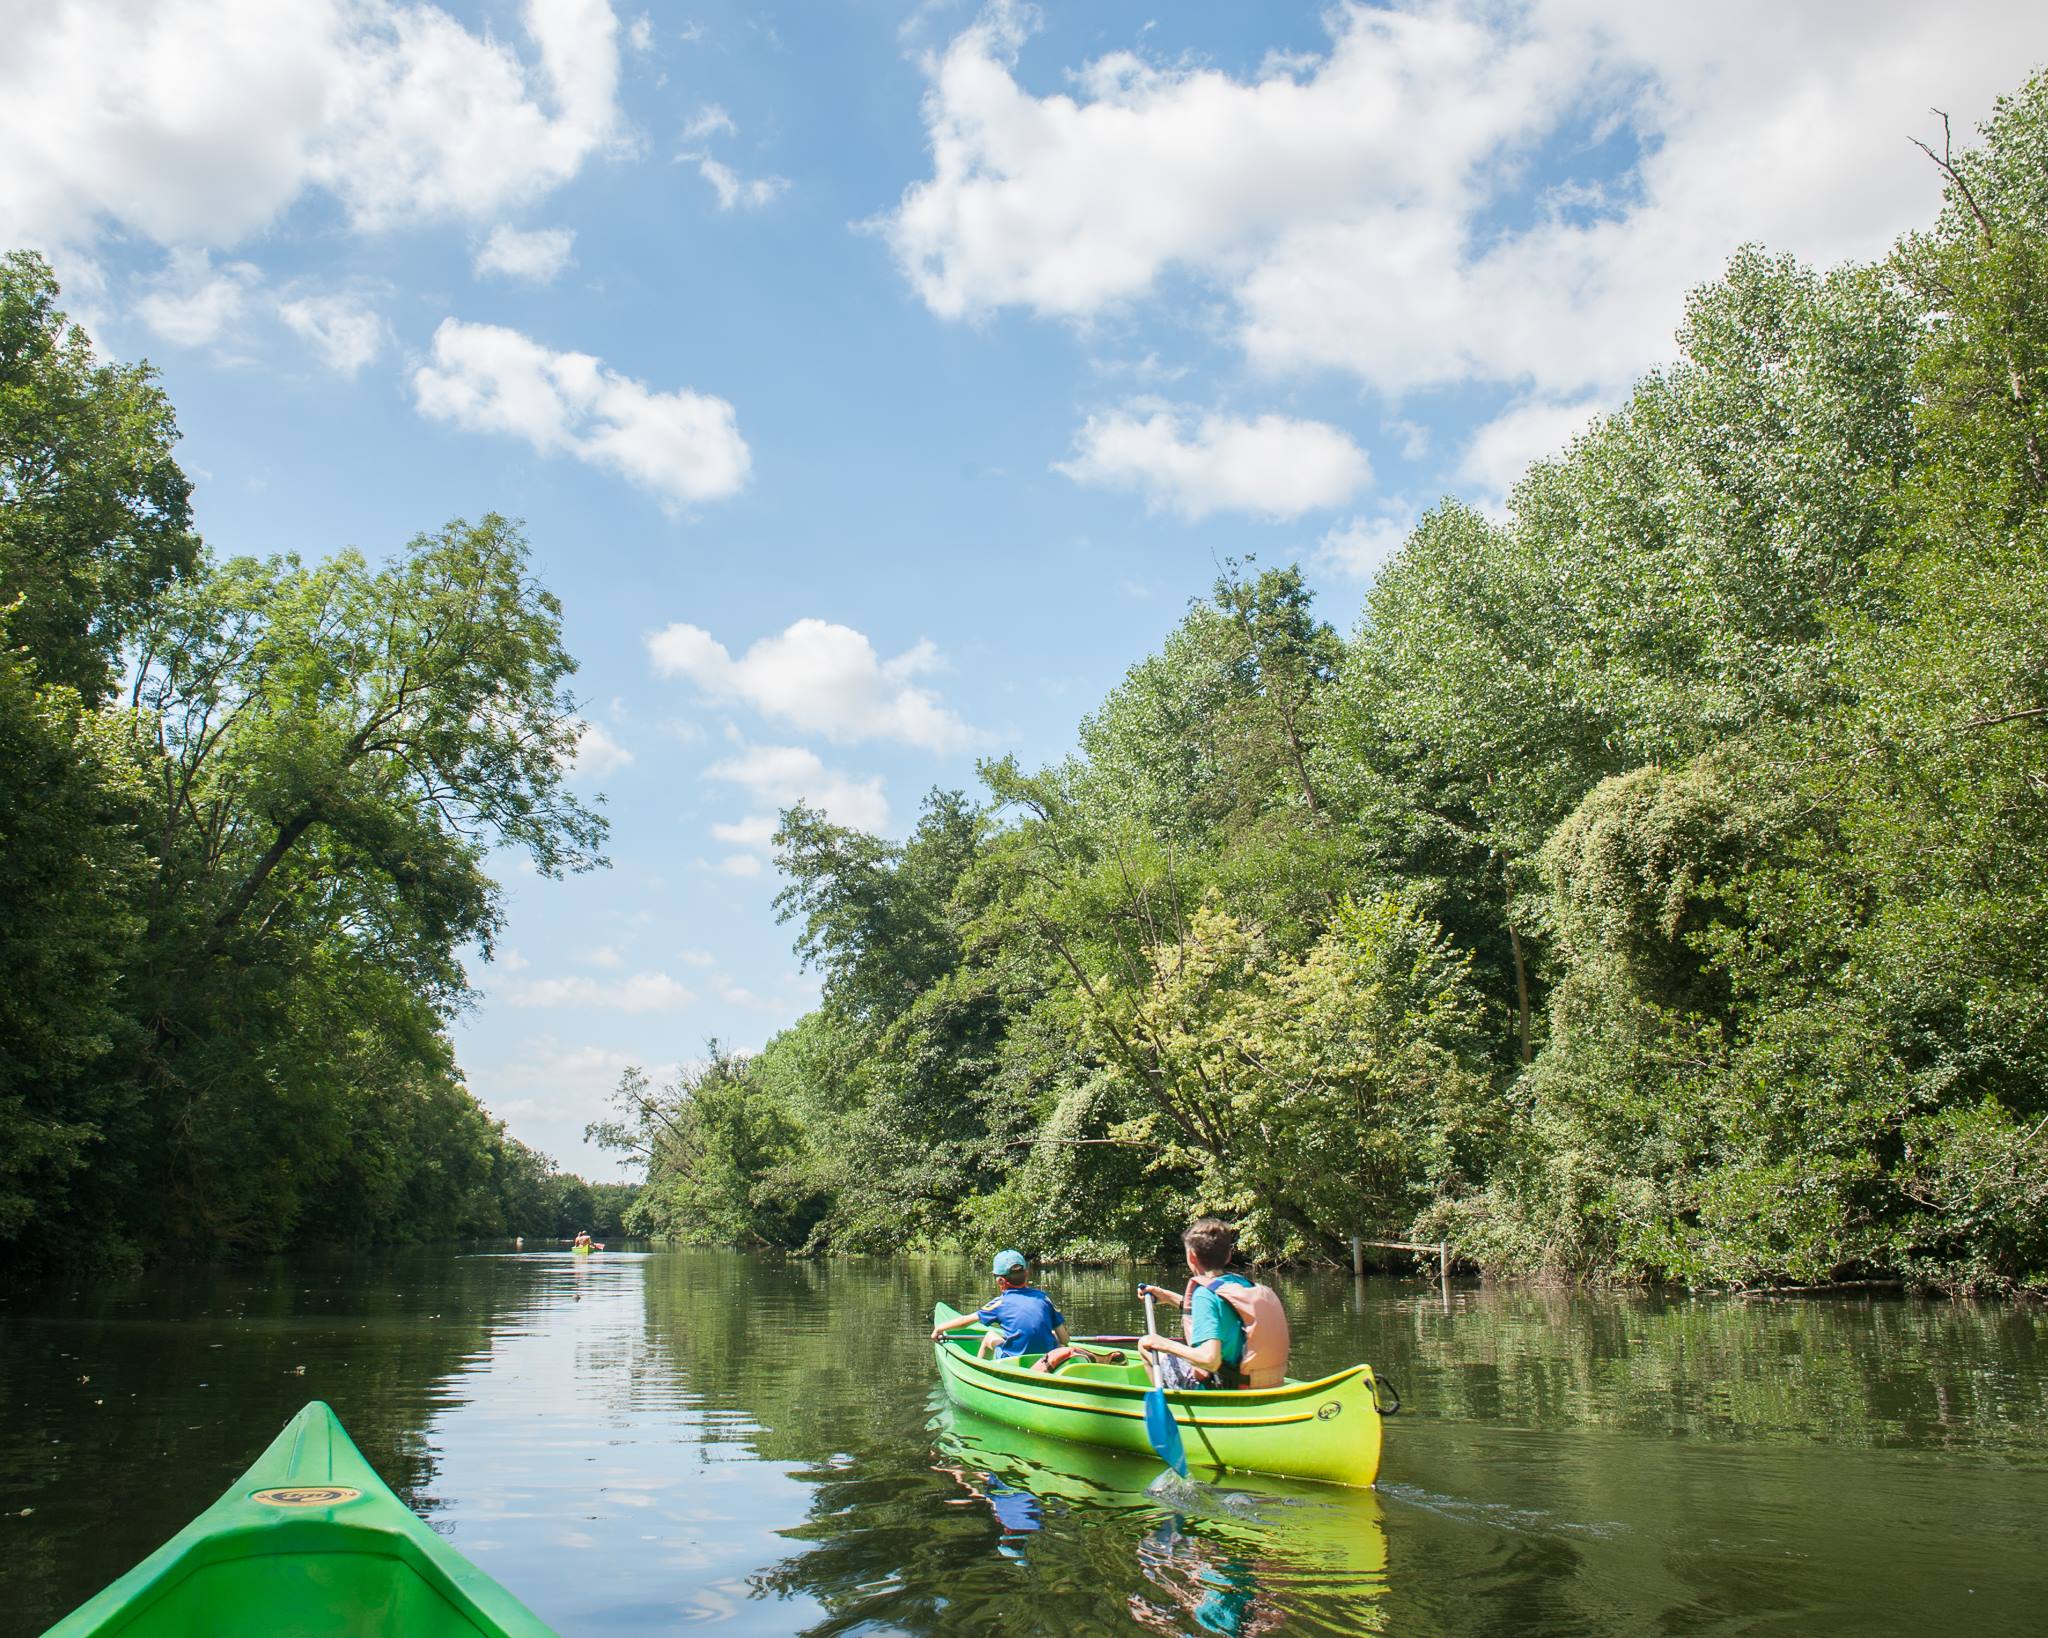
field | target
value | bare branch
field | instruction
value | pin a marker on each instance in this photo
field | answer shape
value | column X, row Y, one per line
column 1945, row 163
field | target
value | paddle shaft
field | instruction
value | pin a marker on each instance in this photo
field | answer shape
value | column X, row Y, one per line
column 1161, row 1431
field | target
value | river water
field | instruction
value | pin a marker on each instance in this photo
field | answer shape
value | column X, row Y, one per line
column 645, row 1443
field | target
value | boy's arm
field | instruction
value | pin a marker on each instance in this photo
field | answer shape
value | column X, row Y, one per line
column 1163, row 1294
column 1060, row 1332
column 955, row 1324
column 1208, row 1357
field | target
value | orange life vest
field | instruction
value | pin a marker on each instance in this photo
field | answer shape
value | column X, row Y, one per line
column 1264, row 1364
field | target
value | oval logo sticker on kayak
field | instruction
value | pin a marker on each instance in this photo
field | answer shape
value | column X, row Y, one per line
column 1328, row 1409
column 328, row 1495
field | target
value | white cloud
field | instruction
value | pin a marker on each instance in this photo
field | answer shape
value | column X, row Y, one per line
column 755, row 831
column 1267, row 466
column 819, row 677
column 738, row 995
column 532, row 257
column 640, row 36
column 710, row 120
column 597, row 753
column 549, row 1091
column 755, row 835
column 638, row 992
column 683, row 446
column 196, row 302
column 1501, row 450
column 697, row 958
column 749, row 193
column 1370, row 208
column 203, row 121
column 1415, row 439
column 1357, row 547
column 193, row 303
column 343, row 328
column 604, row 955
column 783, row 775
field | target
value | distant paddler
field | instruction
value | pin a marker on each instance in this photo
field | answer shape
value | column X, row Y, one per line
column 583, row 1245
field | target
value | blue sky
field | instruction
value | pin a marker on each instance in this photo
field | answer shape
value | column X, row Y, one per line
column 878, row 381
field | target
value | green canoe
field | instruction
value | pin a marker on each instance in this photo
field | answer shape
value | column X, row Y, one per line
column 309, row 1542
column 1328, row 1429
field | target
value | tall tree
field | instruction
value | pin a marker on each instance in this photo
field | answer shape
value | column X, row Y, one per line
column 95, row 515
column 335, row 749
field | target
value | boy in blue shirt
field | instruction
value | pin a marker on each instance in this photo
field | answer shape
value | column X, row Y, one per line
column 1022, row 1316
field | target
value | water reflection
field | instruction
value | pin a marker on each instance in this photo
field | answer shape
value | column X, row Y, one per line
column 1239, row 1555
column 640, row 1444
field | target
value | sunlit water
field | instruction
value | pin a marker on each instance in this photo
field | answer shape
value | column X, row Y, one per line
column 647, row 1443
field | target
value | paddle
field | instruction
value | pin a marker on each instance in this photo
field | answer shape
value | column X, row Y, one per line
column 1160, row 1427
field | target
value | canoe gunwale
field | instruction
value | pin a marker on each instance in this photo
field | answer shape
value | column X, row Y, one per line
column 1193, row 1398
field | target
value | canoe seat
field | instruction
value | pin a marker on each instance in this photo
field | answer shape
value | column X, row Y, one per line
column 1095, row 1373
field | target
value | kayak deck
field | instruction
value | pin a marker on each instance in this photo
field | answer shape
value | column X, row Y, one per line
column 309, row 1541
column 1327, row 1430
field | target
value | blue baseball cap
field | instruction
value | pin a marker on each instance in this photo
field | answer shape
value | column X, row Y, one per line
column 1009, row 1262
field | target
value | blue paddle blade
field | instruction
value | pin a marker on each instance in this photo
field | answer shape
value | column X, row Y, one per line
column 1164, row 1432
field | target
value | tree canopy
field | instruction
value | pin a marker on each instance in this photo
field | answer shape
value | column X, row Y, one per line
column 1649, row 885
column 245, row 814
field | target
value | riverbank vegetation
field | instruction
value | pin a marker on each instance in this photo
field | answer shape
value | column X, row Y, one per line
column 1651, row 882
column 245, row 811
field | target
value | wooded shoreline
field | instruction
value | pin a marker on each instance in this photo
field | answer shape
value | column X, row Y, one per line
column 1648, row 884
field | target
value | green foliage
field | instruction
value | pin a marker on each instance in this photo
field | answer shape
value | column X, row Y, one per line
column 95, row 516
column 1311, row 1095
column 1651, row 888
column 724, row 1158
column 1654, row 885
column 69, row 872
column 232, row 899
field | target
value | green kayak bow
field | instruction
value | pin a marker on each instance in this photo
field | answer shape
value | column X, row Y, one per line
column 309, row 1541
column 1327, row 1430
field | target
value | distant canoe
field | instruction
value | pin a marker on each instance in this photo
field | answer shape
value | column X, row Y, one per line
column 310, row 1542
column 1327, row 1430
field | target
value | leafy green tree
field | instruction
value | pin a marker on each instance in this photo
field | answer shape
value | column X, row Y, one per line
column 70, row 869
column 1312, row 1095
column 725, row 1159
column 95, row 515
column 335, row 750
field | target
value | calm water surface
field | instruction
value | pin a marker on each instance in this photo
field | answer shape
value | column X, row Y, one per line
column 648, row 1443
